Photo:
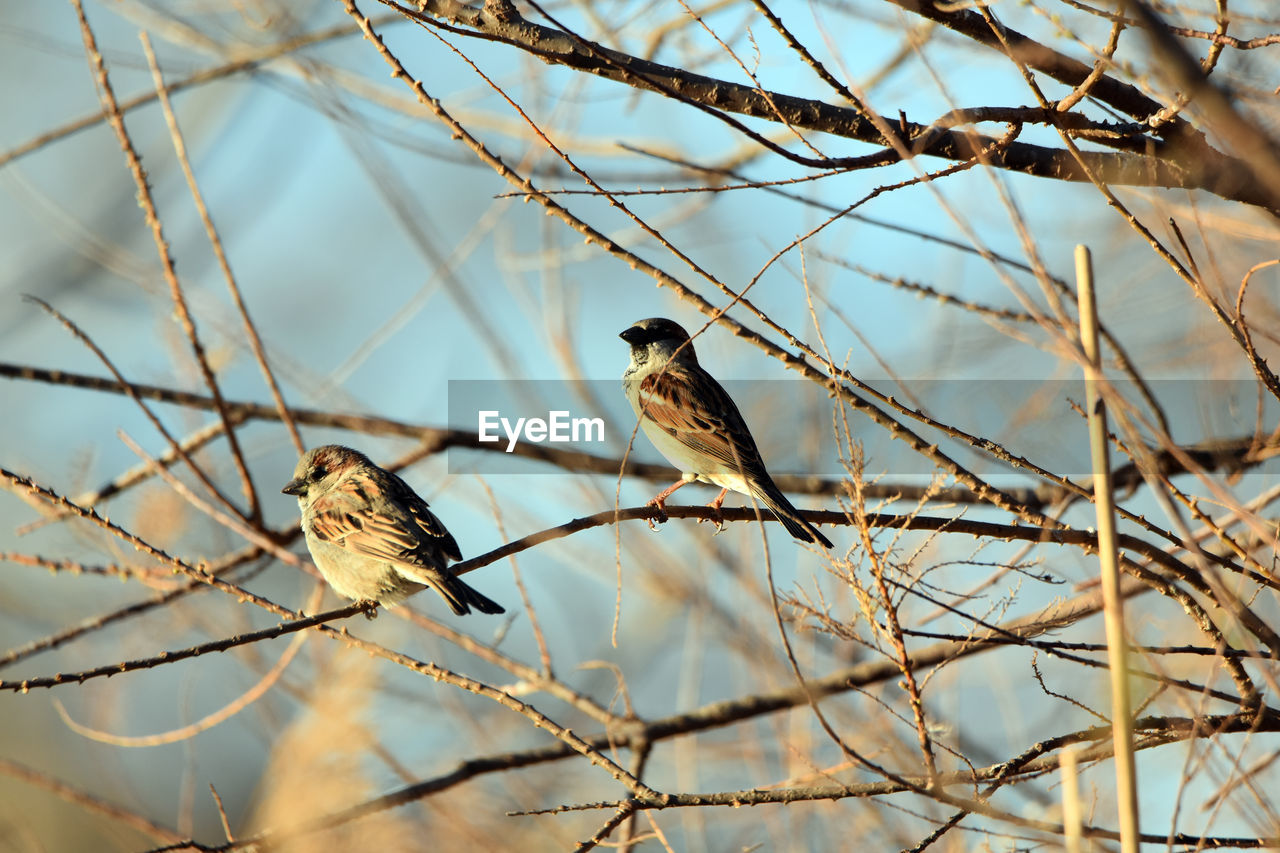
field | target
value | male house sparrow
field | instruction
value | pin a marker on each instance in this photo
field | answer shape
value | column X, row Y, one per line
column 692, row 421
column 371, row 536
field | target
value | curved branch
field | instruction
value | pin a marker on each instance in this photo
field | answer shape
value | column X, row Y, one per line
column 1181, row 159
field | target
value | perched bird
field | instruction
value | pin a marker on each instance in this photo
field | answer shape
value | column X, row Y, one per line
column 371, row 536
column 692, row 421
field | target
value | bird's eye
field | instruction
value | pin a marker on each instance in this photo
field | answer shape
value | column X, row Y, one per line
column 317, row 473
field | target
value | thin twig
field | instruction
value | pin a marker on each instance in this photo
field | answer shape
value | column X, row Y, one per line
column 88, row 802
column 251, row 331
column 209, row 721
column 174, row 447
column 116, row 119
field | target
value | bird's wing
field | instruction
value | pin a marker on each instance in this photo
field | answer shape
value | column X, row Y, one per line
column 688, row 404
column 430, row 530
column 406, row 531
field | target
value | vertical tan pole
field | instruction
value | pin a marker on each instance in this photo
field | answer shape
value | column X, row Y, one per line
column 1117, row 640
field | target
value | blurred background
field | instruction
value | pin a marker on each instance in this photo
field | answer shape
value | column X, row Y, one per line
column 390, row 273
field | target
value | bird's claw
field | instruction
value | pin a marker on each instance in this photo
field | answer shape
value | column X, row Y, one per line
column 719, row 523
column 717, row 520
column 654, row 521
column 370, row 608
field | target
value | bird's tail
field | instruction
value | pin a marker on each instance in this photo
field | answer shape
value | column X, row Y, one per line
column 772, row 497
column 460, row 596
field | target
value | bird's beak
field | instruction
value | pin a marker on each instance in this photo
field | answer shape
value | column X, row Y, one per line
column 633, row 335
column 294, row 487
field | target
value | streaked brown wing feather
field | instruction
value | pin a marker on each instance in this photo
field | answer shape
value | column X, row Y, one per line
column 409, row 533
column 690, row 405
column 429, row 528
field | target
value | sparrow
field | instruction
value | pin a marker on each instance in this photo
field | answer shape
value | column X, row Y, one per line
column 693, row 422
column 370, row 534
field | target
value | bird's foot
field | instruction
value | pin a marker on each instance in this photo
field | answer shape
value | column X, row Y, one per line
column 659, row 504
column 370, row 608
column 718, row 518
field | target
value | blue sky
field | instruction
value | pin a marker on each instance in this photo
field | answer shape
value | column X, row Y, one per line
column 304, row 178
